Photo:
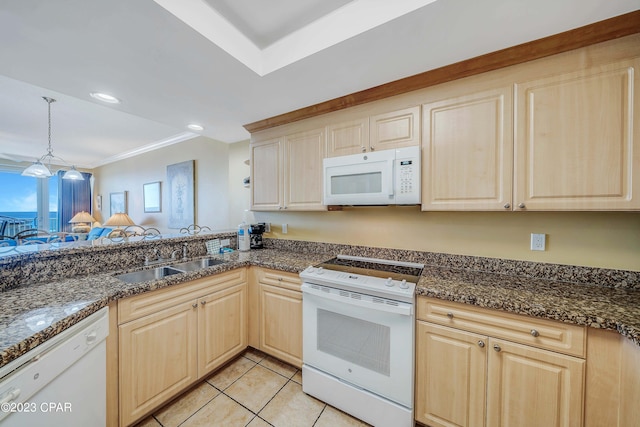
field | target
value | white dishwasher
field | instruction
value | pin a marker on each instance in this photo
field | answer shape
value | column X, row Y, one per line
column 62, row 382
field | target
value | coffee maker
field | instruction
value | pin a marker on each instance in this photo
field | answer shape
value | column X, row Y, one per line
column 255, row 232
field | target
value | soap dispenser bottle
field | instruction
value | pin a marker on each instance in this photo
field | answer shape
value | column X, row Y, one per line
column 244, row 241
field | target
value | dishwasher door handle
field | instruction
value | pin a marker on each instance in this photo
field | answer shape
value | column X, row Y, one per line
column 10, row 396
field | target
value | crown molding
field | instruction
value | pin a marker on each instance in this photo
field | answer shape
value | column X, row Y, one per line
column 597, row 32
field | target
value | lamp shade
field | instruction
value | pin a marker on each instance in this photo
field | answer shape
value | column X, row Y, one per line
column 81, row 222
column 73, row 174
column 37, row 170
column 82, row 217
column 119, row 220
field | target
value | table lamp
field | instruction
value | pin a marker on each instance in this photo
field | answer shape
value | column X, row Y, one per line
column 118, row 220
column 81, row 222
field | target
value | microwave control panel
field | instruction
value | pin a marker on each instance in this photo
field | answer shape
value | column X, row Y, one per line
column 407, row 176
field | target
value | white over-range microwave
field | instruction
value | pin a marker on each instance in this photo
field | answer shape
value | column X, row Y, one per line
column 386, row 177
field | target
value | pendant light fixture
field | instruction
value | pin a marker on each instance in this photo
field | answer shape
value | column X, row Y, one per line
column 38, row 169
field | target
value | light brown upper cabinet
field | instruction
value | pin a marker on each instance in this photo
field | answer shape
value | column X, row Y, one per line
column 267, row 175
column 551, row 139
column 576, row 144
column 286, row 172
column 395, row 129
column 468, row 150
column 303, row 156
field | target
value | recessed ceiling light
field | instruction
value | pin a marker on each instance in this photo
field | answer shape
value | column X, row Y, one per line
column 105, row 97
column 195, row 127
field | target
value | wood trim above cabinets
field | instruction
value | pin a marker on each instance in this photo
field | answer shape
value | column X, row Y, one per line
column 598, row 32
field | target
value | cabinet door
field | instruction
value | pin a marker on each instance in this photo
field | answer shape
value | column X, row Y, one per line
column 267, row 175
column 577, row 140
column 450, row 376
column 346, row 138
column 468, row 151
column 529, row 387
column 222, row 327
column 303, row 174
column 157, row 359
column 281, row 323
column 395, row 129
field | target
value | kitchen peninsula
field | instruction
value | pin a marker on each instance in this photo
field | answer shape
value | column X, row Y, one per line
column 594, row 298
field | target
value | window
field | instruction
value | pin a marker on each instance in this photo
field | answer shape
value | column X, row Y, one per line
column 33, row 201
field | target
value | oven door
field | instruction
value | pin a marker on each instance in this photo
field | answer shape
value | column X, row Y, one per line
column 364, row 341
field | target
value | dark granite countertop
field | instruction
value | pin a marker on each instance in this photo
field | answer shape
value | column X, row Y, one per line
column 31, row 314
column 581, row 304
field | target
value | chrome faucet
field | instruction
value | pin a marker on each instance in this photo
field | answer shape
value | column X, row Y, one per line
column 184, row 251
column 157, row 257
column 149, row 261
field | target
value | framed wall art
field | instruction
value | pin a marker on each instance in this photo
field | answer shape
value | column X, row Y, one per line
column 180, row 191
column 152, row 197
column 117, row 203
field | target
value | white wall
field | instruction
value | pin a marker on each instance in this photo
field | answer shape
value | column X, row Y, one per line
column 239, row 196
column 597, row 239
column 211, row 182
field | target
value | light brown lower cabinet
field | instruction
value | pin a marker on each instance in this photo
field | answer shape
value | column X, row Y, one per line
column 474, row 366
column 613, row 380
column 171, row 338
column 279, row 314
column 468, row 378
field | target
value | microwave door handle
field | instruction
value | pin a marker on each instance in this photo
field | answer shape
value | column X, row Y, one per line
column 392, row 190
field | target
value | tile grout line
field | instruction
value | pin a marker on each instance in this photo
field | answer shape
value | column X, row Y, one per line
column 200, row 408
column 319, row 415
column 219, row 393
column 264, row 406
column 256, row 414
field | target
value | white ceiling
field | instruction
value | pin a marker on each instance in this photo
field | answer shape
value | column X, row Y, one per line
column 266, row 58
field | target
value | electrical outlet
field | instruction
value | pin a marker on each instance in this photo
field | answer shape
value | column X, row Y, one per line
column 267, row 227
column 225, row 242
column 285, row 228
column 538, row 242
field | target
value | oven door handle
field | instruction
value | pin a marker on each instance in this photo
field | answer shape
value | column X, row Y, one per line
column 401, row 309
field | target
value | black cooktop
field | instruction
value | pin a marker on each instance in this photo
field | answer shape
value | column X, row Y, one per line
column 373, row 267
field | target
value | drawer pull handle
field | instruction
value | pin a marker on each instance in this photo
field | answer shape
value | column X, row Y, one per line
column 507, row 206
column 481, row 344
column 535, row 333
column 496, row 347
column 203, row 302
column 450, row 315
column 194, row 305
column 522, row 206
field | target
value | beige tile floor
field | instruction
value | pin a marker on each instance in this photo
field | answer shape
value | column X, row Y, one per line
column 255, row 390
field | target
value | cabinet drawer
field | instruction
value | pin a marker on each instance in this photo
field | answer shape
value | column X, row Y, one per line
column 541, row 333
column 280, row 278
column 151, row 302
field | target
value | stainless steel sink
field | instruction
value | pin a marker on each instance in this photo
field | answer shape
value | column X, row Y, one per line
column 197, row 264
column 146, row 275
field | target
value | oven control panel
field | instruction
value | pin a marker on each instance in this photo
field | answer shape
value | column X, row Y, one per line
column 400, row 290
